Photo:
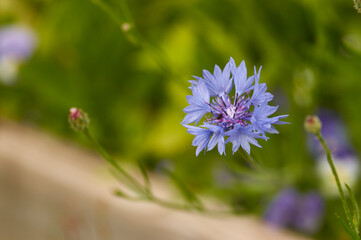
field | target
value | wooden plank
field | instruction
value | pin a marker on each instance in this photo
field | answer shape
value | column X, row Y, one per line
column 51, row 189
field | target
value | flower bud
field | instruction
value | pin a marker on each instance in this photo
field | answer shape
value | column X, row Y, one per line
column 78, row 119
column 126, row 27
column 313, row 124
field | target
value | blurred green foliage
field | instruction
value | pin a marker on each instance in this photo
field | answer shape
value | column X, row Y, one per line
column 133, row 85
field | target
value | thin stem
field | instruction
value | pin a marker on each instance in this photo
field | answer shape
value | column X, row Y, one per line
column 145, row 193
column 145, row 177
column 171, row 205
column 334, row 172
column 136, row 38
column 252, row 163
column 130, row 181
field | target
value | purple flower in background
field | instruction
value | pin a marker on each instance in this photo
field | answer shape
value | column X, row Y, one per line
column 309, row 213
column 293, row 209
column 242, row 118
column 282, row 209
column 345, row 159
column 17, row 43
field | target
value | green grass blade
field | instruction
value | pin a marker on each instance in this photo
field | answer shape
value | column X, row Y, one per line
column 348, row 229
column 356, row 219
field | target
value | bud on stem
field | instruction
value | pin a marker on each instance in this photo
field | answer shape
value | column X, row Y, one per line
column 313, row 124
column 78, row 119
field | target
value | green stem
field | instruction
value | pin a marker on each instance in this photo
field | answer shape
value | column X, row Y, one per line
column 136, row 38
column 172, row 205
column 338, row 182
column 129, row 180
column 252, row 163
column 144, row 192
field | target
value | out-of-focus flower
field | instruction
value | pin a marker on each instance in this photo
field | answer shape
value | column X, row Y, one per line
column 78, row 119
column 17, row 43
column 243, row 117
column 309, row 213
column 282, row 209
column 345, row 159
column 290, row 208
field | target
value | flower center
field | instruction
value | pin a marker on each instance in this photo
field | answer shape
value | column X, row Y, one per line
column 226, row 114
column 231, row 110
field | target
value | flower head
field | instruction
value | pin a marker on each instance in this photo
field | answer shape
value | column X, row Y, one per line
column 17, row 43
column 241, row 118
column 282, row 208
column 78, row 119
column 301, row 211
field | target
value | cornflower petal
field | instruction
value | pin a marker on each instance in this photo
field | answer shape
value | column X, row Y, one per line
column 241, row 82
column 219, row 83
column 242, row 136
column 260, row 119
column 259, row 92
column 217, row 138
column 198, row 104
column 201, row 139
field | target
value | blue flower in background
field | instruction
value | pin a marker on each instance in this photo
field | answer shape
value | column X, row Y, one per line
column 309, row 213
column 280, row 211
column 300, row 211
column 242, row 118
column 17, row 43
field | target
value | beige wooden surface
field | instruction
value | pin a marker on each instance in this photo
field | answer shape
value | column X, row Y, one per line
column 50, row 190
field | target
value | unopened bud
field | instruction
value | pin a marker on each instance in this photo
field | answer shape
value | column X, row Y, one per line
column 126, row 27
column 313, row 124
column 78, row 119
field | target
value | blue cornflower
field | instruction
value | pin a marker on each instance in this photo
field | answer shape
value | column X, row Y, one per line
column 241, row 118
column 17, row 43
column 301, row 211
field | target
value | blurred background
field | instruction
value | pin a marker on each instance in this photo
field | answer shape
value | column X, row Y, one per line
column 127, row 64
